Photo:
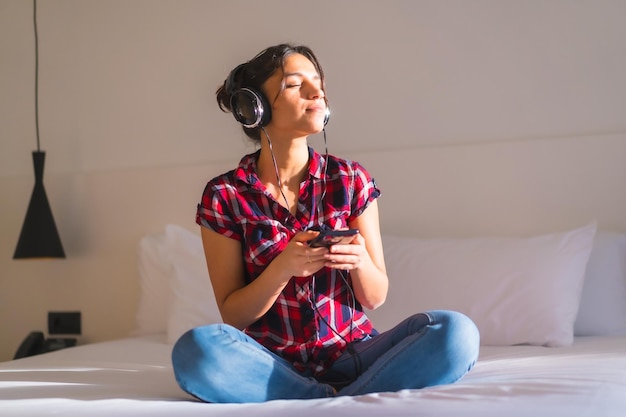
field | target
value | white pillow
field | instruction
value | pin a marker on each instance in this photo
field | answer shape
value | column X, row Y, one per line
column 517, row 290
column 603, row 304
column 154, row 286
column 192, row 301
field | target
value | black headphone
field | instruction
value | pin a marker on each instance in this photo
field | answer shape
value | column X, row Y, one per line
column 249, row 106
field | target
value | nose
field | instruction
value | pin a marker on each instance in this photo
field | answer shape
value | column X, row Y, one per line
column 315, row 91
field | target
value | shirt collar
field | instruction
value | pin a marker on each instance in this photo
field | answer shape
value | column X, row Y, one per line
column 316, row 164
column 246, row 170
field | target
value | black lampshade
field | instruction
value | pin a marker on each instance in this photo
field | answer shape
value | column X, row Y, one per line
column 39, row 237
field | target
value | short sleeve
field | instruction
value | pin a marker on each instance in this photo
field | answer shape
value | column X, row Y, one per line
column 364, row 190
column 215, row 210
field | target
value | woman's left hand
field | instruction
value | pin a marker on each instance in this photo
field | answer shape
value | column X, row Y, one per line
column 347, row 256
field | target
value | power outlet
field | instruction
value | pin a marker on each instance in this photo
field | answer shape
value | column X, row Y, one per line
column 64, row 322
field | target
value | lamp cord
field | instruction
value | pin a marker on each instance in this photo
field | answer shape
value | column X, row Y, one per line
column 36, row 71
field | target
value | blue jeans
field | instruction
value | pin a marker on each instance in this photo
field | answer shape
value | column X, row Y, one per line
column 218, row 363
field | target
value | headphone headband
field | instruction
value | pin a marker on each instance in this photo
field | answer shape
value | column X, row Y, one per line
column 229, row 84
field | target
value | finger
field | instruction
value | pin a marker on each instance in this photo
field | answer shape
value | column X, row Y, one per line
column 341, row 266
column 305, row 236
column 358, row 239
column 343, row 249
column 342, row 259
column 313, row 255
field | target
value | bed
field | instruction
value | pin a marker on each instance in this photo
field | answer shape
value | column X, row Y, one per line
column 551, row 309
column 132, row 377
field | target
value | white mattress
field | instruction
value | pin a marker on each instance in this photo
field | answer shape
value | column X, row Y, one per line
column 133, row 377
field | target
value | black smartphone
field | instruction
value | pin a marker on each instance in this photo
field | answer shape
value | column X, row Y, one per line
column 332, row 237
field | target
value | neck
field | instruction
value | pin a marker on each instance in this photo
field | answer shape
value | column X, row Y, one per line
column 291, row 156
column 282, row 166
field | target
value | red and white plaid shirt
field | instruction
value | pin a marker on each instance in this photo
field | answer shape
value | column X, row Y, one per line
column 237, row 205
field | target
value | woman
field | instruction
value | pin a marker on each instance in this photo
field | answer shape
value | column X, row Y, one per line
column 294, row 325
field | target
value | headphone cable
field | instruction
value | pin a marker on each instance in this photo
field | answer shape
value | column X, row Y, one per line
column 280, row 183
column 349, row 344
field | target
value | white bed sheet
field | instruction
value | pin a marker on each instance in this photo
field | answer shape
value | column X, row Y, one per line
column 133, row 377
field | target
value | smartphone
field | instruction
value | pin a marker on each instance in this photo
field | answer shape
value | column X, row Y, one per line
column 332, row 237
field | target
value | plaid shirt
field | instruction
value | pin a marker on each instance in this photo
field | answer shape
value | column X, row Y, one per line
column 237, row 205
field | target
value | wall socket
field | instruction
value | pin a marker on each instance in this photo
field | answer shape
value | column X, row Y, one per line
column 64, row 322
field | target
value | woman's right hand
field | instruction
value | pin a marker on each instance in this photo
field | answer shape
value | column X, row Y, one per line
column 299, row 259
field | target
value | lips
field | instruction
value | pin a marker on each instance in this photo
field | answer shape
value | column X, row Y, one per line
column 316, row 108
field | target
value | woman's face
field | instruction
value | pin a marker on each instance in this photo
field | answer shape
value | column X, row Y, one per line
column 299, row 108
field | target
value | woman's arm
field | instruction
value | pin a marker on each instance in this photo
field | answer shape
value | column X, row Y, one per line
column 365, row 260
column 242, row 304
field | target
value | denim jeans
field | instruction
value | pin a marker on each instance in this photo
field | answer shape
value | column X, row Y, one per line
column 218, row 363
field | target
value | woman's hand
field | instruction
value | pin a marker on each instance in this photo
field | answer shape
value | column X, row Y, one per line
column 301, row 260
column 347, row 256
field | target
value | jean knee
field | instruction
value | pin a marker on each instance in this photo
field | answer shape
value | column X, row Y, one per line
column 191, row 338
column 192, row 348
column 461, row 334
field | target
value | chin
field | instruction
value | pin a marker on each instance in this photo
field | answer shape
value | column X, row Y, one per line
column 318, row 126
column 313, row 128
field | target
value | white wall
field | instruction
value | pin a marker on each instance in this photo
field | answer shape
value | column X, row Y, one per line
column 127, row 111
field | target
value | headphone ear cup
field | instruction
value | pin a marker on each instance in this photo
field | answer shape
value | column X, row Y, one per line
column 250, row 108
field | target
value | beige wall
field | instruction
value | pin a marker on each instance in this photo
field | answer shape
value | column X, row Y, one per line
column 132, row 132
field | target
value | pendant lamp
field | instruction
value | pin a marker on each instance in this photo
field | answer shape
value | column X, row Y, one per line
column 39, row 237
